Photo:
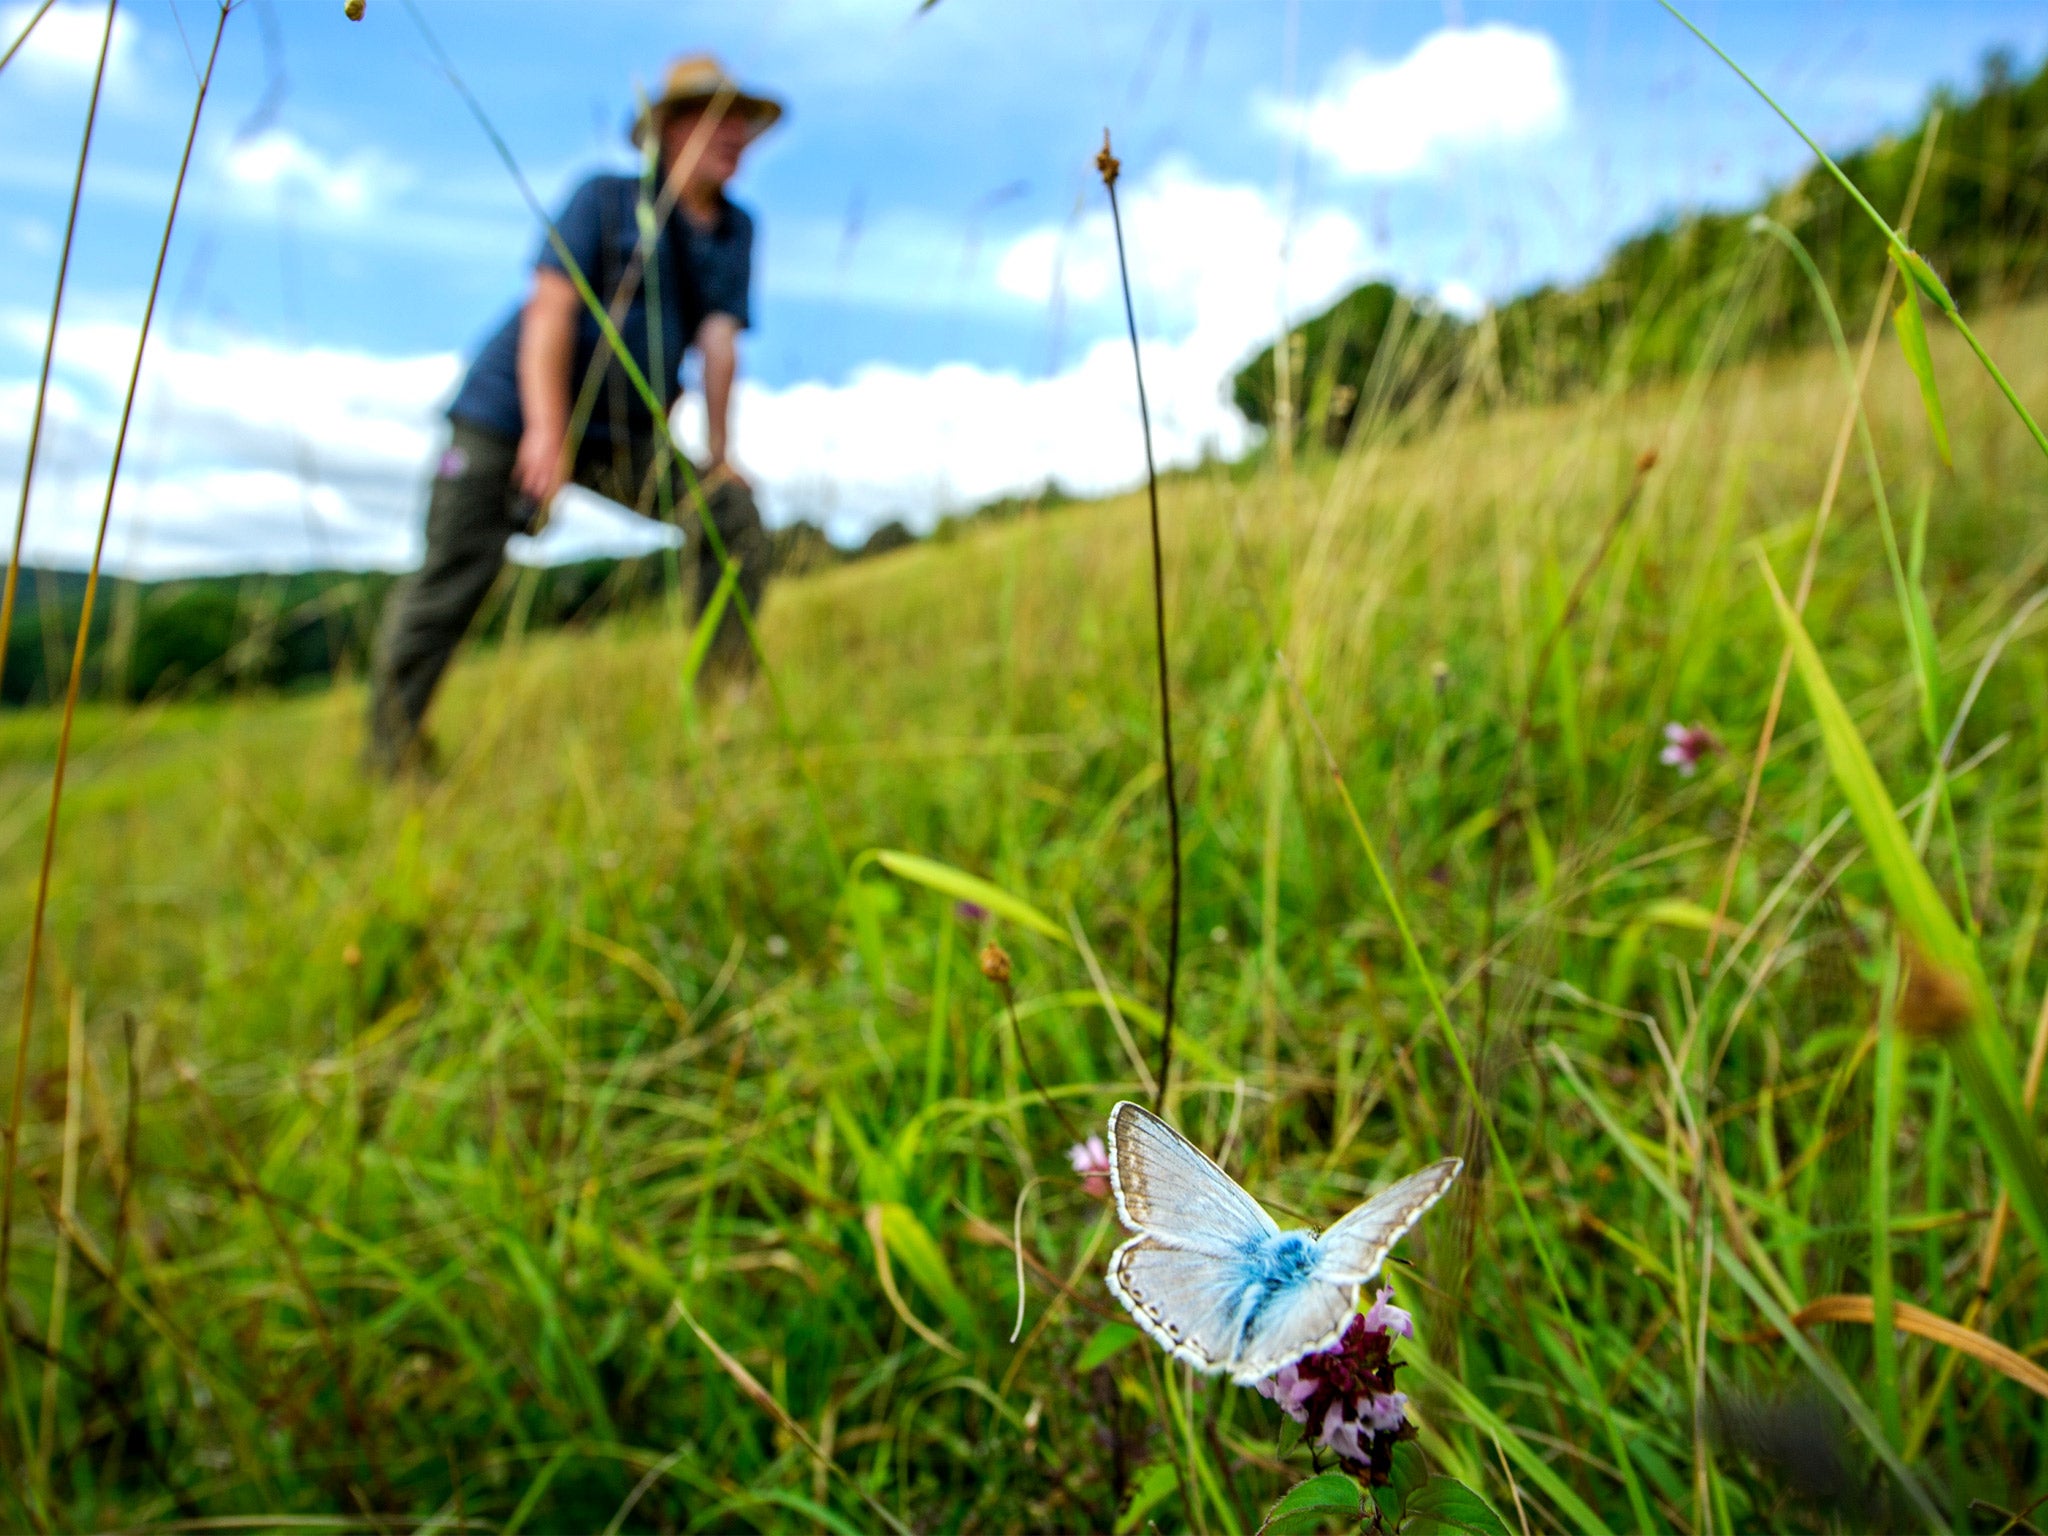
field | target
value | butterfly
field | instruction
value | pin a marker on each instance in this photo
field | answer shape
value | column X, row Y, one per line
column 1213, row 1278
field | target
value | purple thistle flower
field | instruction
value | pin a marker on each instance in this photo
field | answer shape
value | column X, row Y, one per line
column 1685, row 745
column 1090, row 1159
column 1345, row 1394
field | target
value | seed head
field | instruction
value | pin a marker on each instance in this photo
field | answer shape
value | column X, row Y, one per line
column 1107, row 163
column 1936, row 1001
column 995, row 964
column 352, row 9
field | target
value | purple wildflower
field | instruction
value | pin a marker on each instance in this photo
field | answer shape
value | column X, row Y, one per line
column 1091, row 1160
column 1685, row 745
column 970, row 912
column 1346, row 1393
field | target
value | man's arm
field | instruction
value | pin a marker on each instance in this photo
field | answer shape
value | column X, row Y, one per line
column 718, row 342
column 547, row 352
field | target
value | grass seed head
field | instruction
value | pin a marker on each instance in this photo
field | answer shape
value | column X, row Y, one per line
column 1935, row 1002
column 995, row 963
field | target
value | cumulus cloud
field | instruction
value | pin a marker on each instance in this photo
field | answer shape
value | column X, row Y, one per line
column 1461, row 88
column 279, row 160
column 249, row 454
column 243, row 454
column 1216, row 264
column 66, row 43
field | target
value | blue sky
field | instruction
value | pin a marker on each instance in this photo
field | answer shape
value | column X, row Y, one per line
column 935, row 320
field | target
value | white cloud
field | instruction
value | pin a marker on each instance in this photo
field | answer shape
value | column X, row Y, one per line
column 248, row 454
column 1460, row 88
column 243, row 454
column 1213, row 264
column 66, row 43
column 279, row 160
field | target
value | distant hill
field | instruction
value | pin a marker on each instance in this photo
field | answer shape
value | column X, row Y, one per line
column 1653, row 307
column 220, row 634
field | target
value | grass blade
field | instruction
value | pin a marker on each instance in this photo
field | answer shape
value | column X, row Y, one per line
column 1913, row 342
column 1945, row 994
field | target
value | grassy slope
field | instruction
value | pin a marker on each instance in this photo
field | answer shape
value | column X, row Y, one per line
column 521, row 1061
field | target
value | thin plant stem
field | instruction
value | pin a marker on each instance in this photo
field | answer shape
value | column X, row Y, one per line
column 1836, row 464
column 35, row 427
column 1108, row 165
column 35, row 940
column 1024, row 1055
column 15, row 47
column 1922, row 274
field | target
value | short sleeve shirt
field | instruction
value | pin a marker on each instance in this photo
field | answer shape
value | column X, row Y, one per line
column 693, row 273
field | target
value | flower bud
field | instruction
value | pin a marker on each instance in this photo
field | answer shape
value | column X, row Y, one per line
column 995, row 964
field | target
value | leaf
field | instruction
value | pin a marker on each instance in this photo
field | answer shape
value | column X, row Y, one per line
column 885, row 1272
column 1913, row 342
column 1110, row 1340
column 961, row 886
column 1311, row 1505
column 1152, row 1487
column 912, row 1242
column 1408, row 1473
column 1448, row 1503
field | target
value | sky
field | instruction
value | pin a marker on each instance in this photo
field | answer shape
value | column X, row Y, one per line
column 936, row 316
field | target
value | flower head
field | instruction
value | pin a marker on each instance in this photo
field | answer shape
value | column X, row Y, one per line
column 1091, row 1160
column 1685, row 745
column 1345, row 1394
column 970, row 912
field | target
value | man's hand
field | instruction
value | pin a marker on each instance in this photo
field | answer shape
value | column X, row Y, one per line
column 547, row 351
column 540, row 470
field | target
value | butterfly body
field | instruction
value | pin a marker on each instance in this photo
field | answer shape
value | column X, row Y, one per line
column 1214, row 1279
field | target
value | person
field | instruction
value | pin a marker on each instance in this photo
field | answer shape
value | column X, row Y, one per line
column 547, row 401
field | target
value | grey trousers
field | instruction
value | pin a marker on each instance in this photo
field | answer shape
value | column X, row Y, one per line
column 473, row 509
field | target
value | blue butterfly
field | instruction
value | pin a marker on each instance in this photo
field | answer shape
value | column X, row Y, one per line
column 1213, row 1278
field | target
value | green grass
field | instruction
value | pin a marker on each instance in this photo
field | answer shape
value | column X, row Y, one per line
column 511, row 1096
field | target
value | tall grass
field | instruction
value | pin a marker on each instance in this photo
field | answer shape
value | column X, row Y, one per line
column 524, row 1107
column 581, row 1141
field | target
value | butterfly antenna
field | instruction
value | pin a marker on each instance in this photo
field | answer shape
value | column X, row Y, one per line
column 1108, row 165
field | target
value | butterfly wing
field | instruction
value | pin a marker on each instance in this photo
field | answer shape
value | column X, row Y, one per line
column 1352, row 1251
column 1166, row 1187
column 1298, row 1317
column 1188, row 1301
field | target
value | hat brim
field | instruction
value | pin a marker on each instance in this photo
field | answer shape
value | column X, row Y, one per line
column 760, row 112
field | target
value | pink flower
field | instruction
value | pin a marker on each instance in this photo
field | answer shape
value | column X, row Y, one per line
column 1091, row 1160
column 1290, row 1389
column 1346, row 1394
column 1685, row 745
column 1384, row 1317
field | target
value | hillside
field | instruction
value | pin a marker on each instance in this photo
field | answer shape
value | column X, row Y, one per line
column 448, row 1152
column 1655, row 306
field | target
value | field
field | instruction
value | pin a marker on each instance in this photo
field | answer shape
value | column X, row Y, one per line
column 596, row 1137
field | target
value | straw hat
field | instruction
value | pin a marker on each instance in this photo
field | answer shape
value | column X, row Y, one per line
column 698, row 80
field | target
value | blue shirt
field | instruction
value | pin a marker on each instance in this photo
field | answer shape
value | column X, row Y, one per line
column 697, row 272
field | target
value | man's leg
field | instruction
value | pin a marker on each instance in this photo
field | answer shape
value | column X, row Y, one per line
column 427, row 612
column 733, row 514
column 738, row 522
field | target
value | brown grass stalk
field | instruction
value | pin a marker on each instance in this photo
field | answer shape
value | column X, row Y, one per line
column 35, row 939
column 35, row 426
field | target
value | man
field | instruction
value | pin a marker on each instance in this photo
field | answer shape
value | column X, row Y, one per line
column 547, row 401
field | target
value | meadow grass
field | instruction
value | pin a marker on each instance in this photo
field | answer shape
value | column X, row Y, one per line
column 562, row 1144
